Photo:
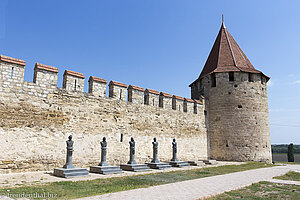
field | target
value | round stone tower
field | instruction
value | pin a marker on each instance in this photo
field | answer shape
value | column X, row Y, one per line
column 236, row 103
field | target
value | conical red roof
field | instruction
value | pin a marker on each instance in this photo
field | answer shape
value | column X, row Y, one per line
column 226, row 56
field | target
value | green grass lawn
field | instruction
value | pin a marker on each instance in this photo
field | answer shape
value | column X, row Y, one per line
column 293, row 176
column 262, row 191
column 69, row 190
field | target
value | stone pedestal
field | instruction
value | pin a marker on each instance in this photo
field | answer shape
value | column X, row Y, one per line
column 69, row 173
column 68, row 170
column 196, row 163
column 131, row 165
column 155, row 164
column 135, row 167
column 174, row 161
column 160, row 165
column 179, row 164
column 105, row 169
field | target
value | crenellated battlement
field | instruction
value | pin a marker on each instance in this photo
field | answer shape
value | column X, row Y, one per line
column 42, row 115
column 45, row 74
column 45, row 82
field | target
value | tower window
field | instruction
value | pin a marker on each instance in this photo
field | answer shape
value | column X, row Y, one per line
column 250, row 77
column 121, row 94
column 231, row 76
column 75, row 84
column 213, row 80
column 121, row 139
column 145, row 99
column 153, row 101
column 12, row 72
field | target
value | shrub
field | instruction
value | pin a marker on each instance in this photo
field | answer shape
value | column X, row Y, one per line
column 290, row 153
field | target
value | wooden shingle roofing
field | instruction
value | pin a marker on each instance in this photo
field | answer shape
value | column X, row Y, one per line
column 226, row 56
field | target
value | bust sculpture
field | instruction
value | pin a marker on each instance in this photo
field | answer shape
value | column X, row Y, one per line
column 174, row 146
column 132, row 151
column 70, row 143
column 103, row 152
column 155, row 151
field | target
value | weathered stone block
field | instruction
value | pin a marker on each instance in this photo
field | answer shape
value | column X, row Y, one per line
column 177, row 103
column 165, row 100
column 73, row 81
column 188, row 105
column 97, row 86
column 151, row 97
column 117, row 90
column 45, row 75
column 135, row 94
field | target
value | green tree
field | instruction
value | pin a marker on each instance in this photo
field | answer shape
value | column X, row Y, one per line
column 290, row 153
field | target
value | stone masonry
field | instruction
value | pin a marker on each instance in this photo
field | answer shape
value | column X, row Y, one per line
column 36, row 118
column 236, row 108
column 188, row 105
column 135, row 94
column 151, row 97
column 238, row 118
column 73, row 81
column 97, row 86
column 177, row 103
column 117, row 90
column 165, row 100
column 45, row 74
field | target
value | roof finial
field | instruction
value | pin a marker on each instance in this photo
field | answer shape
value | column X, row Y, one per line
column 223, row 24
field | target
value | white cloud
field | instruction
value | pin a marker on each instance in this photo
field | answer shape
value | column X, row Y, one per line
column 296, row 82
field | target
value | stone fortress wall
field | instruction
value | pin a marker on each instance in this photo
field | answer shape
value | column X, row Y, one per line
column 37, row 117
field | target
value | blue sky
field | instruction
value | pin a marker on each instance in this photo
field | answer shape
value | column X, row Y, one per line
column 160, row 44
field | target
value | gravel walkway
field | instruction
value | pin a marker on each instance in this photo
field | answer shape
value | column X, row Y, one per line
column 201, row 188
column 185, row 190
column 285, row 182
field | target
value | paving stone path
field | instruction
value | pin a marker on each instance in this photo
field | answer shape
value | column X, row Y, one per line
column 285, row 182
column 203, row 187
